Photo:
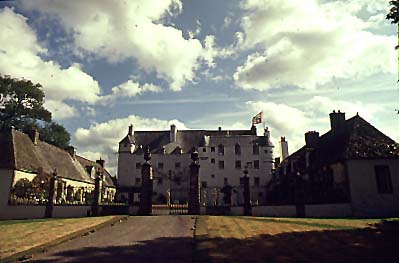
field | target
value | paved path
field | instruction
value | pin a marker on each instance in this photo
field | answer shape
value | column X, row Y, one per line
column 138, row 239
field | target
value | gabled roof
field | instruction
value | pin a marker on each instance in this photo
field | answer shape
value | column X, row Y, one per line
column 21, row 154
column 109, row 180
column 157, row 141
column 358, row 139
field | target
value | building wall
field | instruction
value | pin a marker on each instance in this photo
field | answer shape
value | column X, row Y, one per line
column 210, row 173
column 366, row 201
column 6, row 176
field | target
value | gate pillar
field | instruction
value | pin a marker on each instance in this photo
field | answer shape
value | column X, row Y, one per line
column 194, row 193
column 146, row 186
column 247, row 194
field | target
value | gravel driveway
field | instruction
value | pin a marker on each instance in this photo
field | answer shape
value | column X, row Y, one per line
column 138, row 239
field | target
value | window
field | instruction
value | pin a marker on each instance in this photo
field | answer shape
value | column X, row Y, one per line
column 221, row 149
column 383, row 177
column 177, row 180
column 255, row 149
column 238, row 164
column 177, row 165
column 213, row 160
column 203, row 184
column 256, row 164
column 226, row 181
column 204, row 150
column 256, row 181
column 212, row 176
column 213, row 149
column 138, row 165
column 221, row 164
column 138, row 180
column 160, row 165
column 237, row 149
column 160, row 181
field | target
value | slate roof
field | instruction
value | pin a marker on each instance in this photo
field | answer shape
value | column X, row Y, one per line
column 18, row 152
column 357, row 140
column 157, row 141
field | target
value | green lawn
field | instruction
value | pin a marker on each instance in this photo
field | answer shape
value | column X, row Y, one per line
column 258, row 239
column 20, row 235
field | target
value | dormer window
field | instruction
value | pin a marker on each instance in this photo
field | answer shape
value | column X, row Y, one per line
column 237, row 149
column 221, row 149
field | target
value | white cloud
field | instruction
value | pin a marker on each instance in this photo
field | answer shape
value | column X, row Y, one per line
column 101, row 139
column 119, row 30
column 294, row 121
column 310, row 44
column 60, row 110
column 20, row 57
column 128, row 89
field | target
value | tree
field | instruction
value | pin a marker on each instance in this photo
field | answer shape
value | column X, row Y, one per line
column 393, row 15
column 21, row 108
column 55, row 134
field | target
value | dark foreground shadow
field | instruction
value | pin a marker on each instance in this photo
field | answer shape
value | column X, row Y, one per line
column 373, row 244
column 379, row 243
column 158, row 250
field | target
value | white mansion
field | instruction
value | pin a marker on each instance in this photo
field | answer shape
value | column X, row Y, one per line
column 223, row 155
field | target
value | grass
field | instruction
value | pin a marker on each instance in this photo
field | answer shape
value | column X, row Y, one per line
column 257, row 239
column 20, row 235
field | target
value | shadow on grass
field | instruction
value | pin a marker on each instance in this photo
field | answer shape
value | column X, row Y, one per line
column 373, row 244
column 377, row 244
column 158, row 250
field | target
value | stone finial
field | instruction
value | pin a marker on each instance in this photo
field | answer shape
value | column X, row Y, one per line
column 147, row 155
column 194, row 156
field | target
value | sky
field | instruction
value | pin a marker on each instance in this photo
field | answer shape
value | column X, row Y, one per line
column 203, row 64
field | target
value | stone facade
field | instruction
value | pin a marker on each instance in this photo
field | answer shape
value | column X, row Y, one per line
column 222, row 158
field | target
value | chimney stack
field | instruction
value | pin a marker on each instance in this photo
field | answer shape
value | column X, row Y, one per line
column 72, row 151
column 101, row 162
column 283, row 149
column 337, row 121
column 34, row 136
column 130, row 129
column 173, row 133
column 311, row 138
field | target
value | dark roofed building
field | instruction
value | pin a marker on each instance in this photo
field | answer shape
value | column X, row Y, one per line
column 352, row 163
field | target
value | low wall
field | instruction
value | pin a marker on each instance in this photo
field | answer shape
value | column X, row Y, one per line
column 275, row 210
column 63, row 211
column 22, row 212
column 133, row 210
column 237, row 211
column 329, row 210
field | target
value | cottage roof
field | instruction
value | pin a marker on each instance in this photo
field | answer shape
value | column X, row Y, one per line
column 357, row 139
column 20, row 153
column 187, row 140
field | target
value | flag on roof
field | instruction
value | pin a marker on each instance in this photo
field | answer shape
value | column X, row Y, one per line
column 257, row 118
